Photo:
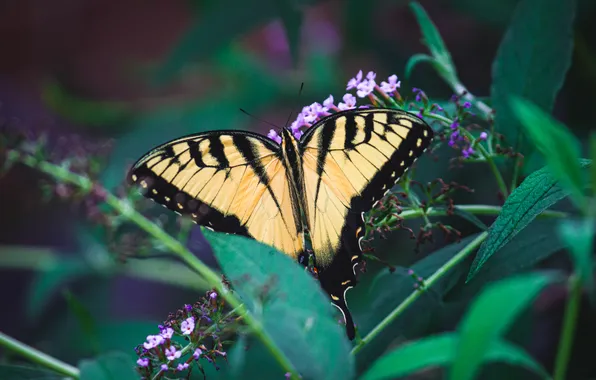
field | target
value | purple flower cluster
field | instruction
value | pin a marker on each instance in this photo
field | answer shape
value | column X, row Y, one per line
column 194, row 324
column 365, row 87
column 387, row 95
column 457, row 139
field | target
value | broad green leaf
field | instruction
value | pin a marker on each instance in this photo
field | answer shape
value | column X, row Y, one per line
column 374, row 302
column 110, row 366
column 289, row 303
column 27, row 373
column 539, row 191
column 434, row 42
column 489, row 318
column 532, row 59
column 535, row 243
column 440, row 350
column 559, row 147
column 579, row 237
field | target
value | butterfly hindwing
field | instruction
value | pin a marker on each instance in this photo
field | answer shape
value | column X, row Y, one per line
column 231, row 181
column 351, row 159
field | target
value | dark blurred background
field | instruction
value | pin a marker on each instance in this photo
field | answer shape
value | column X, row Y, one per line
column 131, row 74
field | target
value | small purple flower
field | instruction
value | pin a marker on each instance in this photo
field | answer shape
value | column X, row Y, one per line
column 354, row 82
column 274, row 136
column 164, row 367
column 182, row 366
column 311, row 113
column 392, row 85
column 455, row 136
column 349, row 102
column 298, row 123
column 143, row 362
column 188, row 307
column 298, row 134
column 172, row 353
column 328, row 103
column 197, row 354
column 187, row 326
column 420, row 95
column 153, row 341
column 288, row 375
column 467, row 152
column 454, row 125
column 365, row 87
column 467, row 105
column 410, row 272
column 483, row 136
column 213, row 295
column 371, row 75
column 167, row 333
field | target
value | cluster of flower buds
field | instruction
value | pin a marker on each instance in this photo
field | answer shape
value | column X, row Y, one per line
column 188, row 338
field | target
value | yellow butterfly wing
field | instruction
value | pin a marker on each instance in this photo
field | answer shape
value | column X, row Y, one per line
column 351, row 159
column 230, row 181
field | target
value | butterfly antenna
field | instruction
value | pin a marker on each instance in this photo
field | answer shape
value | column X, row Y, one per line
column 256, row 118
column 291, row 112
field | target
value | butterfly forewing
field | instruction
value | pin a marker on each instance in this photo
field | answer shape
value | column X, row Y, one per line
column 230, row 181
column 351, row 160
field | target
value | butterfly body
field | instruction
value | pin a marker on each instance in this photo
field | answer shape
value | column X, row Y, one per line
column 318, row 187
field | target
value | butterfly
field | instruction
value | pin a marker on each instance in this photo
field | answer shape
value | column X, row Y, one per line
column 313, row 190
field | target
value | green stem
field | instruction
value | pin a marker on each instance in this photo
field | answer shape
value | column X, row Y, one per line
column 472, row 209
column 467, row 250
column 38, row 357
column 460, row 89
column 126, row 210
column 515, row 175
column 491, row 164
column 568, row 330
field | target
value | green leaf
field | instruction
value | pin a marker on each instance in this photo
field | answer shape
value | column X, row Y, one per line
column 27, row 373
column 415, row 60
column 489, row 318
column 55, row 275
column 539, row 191
column 289, row 303
column 532, row 60
column 559, row 147
column 111, row 366
column 440, row 350
column 579, row 237
column 470, row 218
column 432, row 39
column 85, row 319
column 593, row 157
column 538, row 241
column 372, row 302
